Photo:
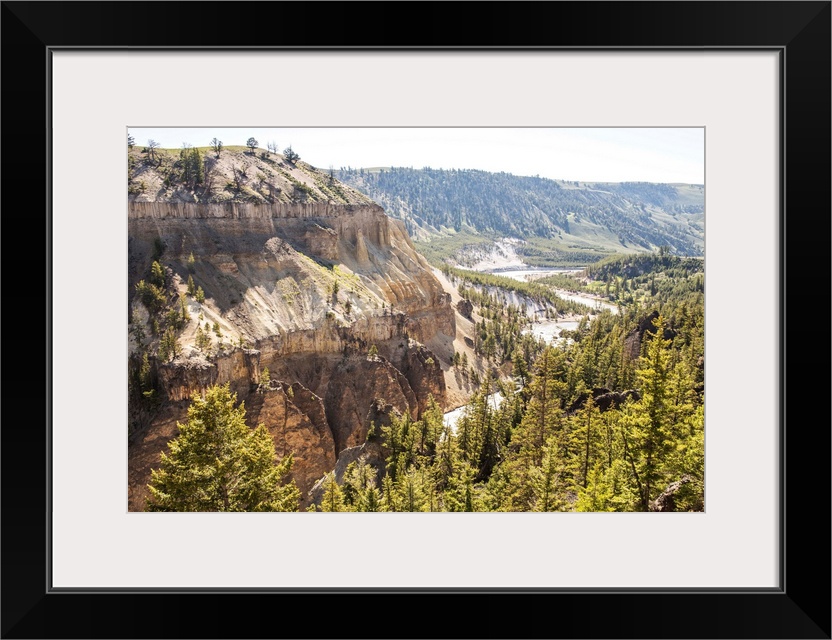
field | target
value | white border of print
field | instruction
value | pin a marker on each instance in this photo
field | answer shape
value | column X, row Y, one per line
column 96, row 543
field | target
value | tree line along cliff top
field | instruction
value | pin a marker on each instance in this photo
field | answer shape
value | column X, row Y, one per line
column 251, row 175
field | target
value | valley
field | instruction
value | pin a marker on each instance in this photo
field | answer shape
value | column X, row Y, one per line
column 499, row 371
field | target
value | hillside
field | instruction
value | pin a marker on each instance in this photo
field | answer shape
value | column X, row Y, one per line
column 317, row 311
column 200, row 175
column 588, row 219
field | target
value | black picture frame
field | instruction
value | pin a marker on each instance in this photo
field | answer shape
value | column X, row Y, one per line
column 800, row 608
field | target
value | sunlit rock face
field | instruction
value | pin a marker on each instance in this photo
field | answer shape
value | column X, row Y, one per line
column 304, row 290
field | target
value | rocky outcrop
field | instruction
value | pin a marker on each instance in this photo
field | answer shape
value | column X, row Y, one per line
column 357, row 384
column 310, row 404
column 633, row 340
column 424, row 374
column 465, row 308
column 373, row 453
column 242, row 210
column 604, row 399
column 308, row 437
column 183, row 377
column 666, row 501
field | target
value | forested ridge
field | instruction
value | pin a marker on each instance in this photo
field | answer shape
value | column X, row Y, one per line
column 635, row 215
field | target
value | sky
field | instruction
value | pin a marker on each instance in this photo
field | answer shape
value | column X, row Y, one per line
column 636, row 154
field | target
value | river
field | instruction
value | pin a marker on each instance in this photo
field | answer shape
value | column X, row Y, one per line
column 549, row 330
column 530, row 273
column 451, row 418
column 503, row 260
column 527, row 273
column 584, row 298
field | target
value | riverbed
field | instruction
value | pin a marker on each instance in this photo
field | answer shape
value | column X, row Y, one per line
column 548, row 330
column 451, row 418
column 528, row 273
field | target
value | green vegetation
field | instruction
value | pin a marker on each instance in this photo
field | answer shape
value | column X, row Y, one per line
column 646, row 278
column 611, row 421
column 151, row 296
column 532, row 290
column 554, row 252
column 216, row 146
column 537, row 453
column 218, row 463
column 191, row 166
column 290, row 155
column 169, row 347
column 202, row 340
column 440, row 248
column 577, row 219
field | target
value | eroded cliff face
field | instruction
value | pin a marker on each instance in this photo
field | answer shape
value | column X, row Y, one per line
column 272, row 269
column 303, row 290
column 296, row 420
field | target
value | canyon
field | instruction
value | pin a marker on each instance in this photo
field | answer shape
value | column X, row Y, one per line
column 316, row 313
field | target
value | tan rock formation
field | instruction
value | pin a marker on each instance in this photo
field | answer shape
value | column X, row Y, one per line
column 357, row 384
column 294, row 430
column 301, row 288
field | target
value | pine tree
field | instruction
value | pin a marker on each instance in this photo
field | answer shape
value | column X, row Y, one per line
column 145, row 379
column 645, row 431
column 216, row 145
column 371, row 501
column 202, row 340
column 218, row 463
column 545, row 480
column 157, row 274
column 333, row 499
column 197, row 166
column 291, row 156
column 543, row 414
column 169, row 346
column 585, row 435
column 520, row 369
column 411, row 493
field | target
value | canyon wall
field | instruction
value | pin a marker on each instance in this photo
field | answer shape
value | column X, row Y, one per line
column 304, row 290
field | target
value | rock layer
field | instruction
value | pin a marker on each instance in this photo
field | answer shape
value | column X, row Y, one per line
column 305, row 290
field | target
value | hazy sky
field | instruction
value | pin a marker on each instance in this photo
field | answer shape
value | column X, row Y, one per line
column 593, row 155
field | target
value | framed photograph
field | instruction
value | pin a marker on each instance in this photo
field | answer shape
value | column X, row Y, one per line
column 751, row 79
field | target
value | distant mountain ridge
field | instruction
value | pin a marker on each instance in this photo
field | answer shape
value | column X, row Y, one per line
column 621, row 217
